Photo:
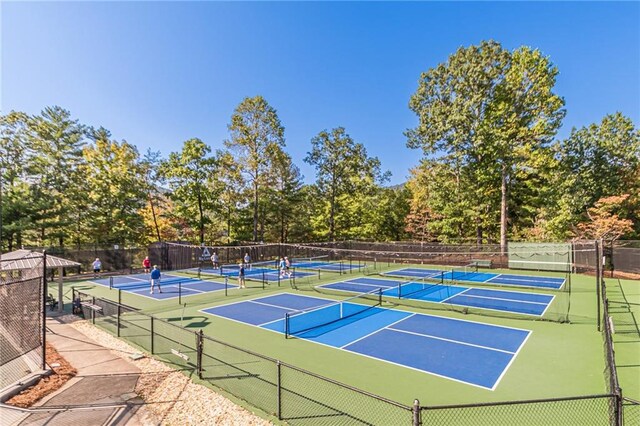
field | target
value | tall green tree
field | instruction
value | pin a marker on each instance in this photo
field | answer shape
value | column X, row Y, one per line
column 55, row 151
column 483, row 112
column 151, row 168
column 189, row 173
column 229, row 183
column 596, row 161
column 15, row 209
column 285, row 197
column 256, row 138
column 116, row 186
column 343, row 170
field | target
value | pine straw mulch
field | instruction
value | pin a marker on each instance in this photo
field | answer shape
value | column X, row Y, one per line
column 46, row 385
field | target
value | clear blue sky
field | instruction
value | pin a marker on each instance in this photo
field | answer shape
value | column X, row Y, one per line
column 157, row 74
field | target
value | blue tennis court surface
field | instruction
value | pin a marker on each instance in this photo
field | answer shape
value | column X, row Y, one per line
column 481, row 277
column 268, row 275
column 468, row 352
column 496, row 300
column 172, row 285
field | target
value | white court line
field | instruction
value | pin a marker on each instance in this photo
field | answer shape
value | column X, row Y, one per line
column 458, row 342
column 506, row 300
column 378, row 330
column 513, row 358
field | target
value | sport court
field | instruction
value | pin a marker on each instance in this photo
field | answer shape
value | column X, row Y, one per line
column 471, row 275
column 172, row 285
column 496, row 300
column 468, row 352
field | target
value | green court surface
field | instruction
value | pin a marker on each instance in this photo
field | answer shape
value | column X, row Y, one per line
column 557, row 360
column 624, row 309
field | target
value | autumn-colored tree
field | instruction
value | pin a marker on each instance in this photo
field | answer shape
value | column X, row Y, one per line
column 604, row 220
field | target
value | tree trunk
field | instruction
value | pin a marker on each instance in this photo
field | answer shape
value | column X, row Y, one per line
column 332, row 225
column 153, row 213
column 201, row 218
column 503, row 212
column 229, row 223
column 255, row 209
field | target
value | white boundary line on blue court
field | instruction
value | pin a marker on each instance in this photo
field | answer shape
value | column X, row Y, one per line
column 420, row 274
column 457, row 342
column 513, row 358
column 462, row 292
column 198, row 292
column 529, row 332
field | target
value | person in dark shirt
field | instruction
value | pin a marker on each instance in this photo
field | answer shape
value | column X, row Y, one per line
column 241, row 275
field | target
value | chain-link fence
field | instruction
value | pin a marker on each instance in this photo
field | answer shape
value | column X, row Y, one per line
column 586, row 410
column 625, row 256
column 21, row 338
column 300, row 397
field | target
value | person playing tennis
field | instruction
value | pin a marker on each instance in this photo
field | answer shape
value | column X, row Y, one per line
column 241, row 275
column 287, row 266
column 283, row 267
column 97, row 266
column 155, row 278
column 247, row 261
column 146, row 264
column 214, row 260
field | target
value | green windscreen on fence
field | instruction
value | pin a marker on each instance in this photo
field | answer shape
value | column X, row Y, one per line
column 540, row 256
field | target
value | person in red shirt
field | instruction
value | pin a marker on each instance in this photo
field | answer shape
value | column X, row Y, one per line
column 146, row 264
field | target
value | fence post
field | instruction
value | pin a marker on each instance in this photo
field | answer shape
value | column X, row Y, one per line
column 93, row 311
column 279, row 388
column 43, row 310
column 226, row 285
column 152, row 348
column 199, row 348
column 598, row 319
column 417, row 421
column 119, row 312
column 179, row 292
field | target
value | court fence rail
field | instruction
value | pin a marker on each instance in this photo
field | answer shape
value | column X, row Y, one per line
column 299, row 397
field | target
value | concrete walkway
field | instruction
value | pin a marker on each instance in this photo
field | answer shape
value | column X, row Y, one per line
column 102, row 393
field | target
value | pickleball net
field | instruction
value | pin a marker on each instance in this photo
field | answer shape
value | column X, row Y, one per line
column 462, row 273
column 418, row 286
column 302, row 321
column 131, row 283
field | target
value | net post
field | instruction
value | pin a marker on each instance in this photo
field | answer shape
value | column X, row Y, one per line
column 199, row 273
column 110, row 283
column 226, row 285
column 293, row 278
column 380, row 296
column 417, row 421
column 350, row 266
column 286, row 325
column 93, row 311
column 180, row 292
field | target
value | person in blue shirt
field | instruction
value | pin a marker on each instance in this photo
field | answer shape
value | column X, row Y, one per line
column 155, row 278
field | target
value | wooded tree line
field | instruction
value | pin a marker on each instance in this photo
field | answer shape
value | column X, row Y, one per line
column 492, row 170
